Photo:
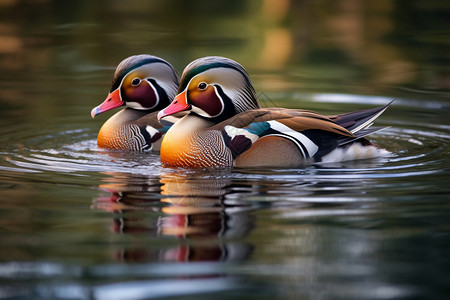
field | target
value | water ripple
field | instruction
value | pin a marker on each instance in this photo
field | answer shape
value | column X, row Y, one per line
column 419, row 150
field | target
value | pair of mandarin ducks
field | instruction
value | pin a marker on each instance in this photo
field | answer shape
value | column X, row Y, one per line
column 211, row 118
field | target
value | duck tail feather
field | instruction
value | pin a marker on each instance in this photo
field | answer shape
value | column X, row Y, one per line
column 359, row 135
column 359, row 120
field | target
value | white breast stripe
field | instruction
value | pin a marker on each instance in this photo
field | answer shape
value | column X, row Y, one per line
column 301, row 138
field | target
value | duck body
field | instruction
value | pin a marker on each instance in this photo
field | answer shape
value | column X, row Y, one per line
column 144, row 84
column 193, row 143
column 226, row 128
column 131, row 129
column 279, row 138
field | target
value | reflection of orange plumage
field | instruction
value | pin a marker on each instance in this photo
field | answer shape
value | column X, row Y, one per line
column 191, row 208
column 195, row 205
column 193, row 187
column 192, row 223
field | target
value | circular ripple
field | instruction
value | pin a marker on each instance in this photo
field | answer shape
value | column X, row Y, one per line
column 419, row 149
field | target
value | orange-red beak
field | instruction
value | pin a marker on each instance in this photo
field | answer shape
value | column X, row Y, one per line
column 112, row 101
column 178, row 104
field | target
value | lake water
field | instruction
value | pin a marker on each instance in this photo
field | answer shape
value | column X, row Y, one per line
column 78, row 222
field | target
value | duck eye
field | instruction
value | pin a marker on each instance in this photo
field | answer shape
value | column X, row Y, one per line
column 202, row 85
column 135, row 81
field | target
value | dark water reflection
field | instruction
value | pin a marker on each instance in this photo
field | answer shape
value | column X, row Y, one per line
column 190, row 209
column 78, row 222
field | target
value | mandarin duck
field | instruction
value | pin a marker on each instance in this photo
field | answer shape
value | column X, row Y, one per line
column 144, row 84
column 226, row 127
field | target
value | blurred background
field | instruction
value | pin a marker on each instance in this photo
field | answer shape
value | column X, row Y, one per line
column 377, row 47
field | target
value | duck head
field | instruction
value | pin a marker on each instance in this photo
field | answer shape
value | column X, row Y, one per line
column 213, row 87
column 141, row 82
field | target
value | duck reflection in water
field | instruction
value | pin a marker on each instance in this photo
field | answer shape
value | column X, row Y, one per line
column 189, row 207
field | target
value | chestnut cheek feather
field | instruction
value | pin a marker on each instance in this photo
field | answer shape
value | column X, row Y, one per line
column 144, row 95
column 209, row 102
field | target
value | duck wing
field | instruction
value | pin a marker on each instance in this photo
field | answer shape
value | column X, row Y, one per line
column 295, row 119
column 314, row 135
